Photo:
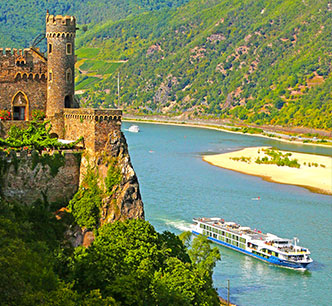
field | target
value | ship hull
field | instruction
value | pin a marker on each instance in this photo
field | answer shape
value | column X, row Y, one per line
column 271, row 260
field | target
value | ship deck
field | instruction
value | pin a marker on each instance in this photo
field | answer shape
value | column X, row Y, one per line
column 235, row 228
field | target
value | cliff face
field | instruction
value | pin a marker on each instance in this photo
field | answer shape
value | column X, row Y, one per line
column 61, row 178
column 127, row 195
column 28, row 178
column 124, row 200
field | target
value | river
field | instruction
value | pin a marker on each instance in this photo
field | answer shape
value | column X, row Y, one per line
column 176, row 185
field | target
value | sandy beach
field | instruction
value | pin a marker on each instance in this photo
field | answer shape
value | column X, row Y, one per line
column 315, row 172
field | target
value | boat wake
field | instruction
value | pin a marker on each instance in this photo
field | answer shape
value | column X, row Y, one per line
column 178, row 224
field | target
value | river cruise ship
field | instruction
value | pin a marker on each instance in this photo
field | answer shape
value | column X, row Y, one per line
column 266, row 247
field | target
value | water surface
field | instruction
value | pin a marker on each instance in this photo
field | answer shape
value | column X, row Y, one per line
column 176, row 185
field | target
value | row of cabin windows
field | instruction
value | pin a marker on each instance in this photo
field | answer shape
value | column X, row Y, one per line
column 69, row 77
column 69, row 49
column 223, row 233
column 261, row 255
column 224, row 239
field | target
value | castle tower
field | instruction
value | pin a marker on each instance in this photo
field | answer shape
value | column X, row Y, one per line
column 60, row 34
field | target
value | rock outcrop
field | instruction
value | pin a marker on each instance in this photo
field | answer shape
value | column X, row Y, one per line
column 124, row 201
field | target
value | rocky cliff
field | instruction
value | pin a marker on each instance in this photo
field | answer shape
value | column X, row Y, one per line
column 124, row 200
column 56, row 177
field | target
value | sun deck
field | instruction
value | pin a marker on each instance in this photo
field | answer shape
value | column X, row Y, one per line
column 234, row 228
column 268, row 239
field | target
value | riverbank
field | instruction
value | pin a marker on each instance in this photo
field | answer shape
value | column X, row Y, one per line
column 314, row 172
column 221, row 127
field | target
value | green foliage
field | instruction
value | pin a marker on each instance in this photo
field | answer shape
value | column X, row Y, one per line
column 54, row 161
column 221, row 61
column 242, row 159
column 129, row 263
column 86, row 203
column 133, row 263
column 30, row 238
column 35, row 137
column 21, row 22
column 278, row 159
column 113, row 176
column 203, row 256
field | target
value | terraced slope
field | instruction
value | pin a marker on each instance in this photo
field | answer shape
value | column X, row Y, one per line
column 267, row 62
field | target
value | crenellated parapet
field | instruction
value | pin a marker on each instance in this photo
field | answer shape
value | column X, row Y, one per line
column 93, row 114
column 60, row 26
column 26, row 64
column 8, row 52
column 96, row 126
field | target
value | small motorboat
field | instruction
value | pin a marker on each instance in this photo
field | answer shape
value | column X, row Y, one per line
column 133, row 129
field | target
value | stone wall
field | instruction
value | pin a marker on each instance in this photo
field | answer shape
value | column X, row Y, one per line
column 27, row 178
column 7, row 124
column 95, row 125
column 23, row 73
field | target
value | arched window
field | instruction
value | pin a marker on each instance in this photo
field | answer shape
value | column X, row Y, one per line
column 69, row 77
column 20, row 106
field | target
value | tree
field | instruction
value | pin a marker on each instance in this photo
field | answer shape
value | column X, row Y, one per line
column 135, row 265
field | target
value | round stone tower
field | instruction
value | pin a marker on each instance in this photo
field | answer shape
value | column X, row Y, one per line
column 60, row 34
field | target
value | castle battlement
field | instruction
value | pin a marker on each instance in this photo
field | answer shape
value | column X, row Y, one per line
column 56, row 26
column 93, row 114
column 60, row 20
column 29, row 81
column 8, row 52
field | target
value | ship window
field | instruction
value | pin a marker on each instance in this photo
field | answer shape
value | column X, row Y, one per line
column 223, row 233
column 201, row 225
column 68, row 49
column 50, row 48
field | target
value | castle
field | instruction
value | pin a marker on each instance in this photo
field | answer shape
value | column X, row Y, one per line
column 30, row 81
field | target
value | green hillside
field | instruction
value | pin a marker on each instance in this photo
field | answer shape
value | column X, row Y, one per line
column 21, row 21
column 264, row 62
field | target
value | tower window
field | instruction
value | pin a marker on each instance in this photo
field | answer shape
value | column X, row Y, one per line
column 68, row 49
column 68, row 76
column 50, row 76
column 50, row 48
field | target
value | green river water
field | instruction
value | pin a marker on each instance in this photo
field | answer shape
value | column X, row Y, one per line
column 176, row 185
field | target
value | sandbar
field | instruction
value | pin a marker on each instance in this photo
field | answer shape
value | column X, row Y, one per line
column 315, row 178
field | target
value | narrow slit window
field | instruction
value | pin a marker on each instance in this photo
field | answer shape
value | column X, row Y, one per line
column 50, row 76
column 68, row 49
column 68, row 76
column 50, row 48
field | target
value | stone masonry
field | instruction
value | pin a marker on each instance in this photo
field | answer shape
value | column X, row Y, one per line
column 30, row 81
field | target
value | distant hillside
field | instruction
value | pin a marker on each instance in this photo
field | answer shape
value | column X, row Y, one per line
column 260, row 61
column 267, row 62
column 21, row 21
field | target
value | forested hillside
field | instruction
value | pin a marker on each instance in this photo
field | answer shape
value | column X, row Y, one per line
column 21, row 21
column 264, row 62
column 259, row 61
